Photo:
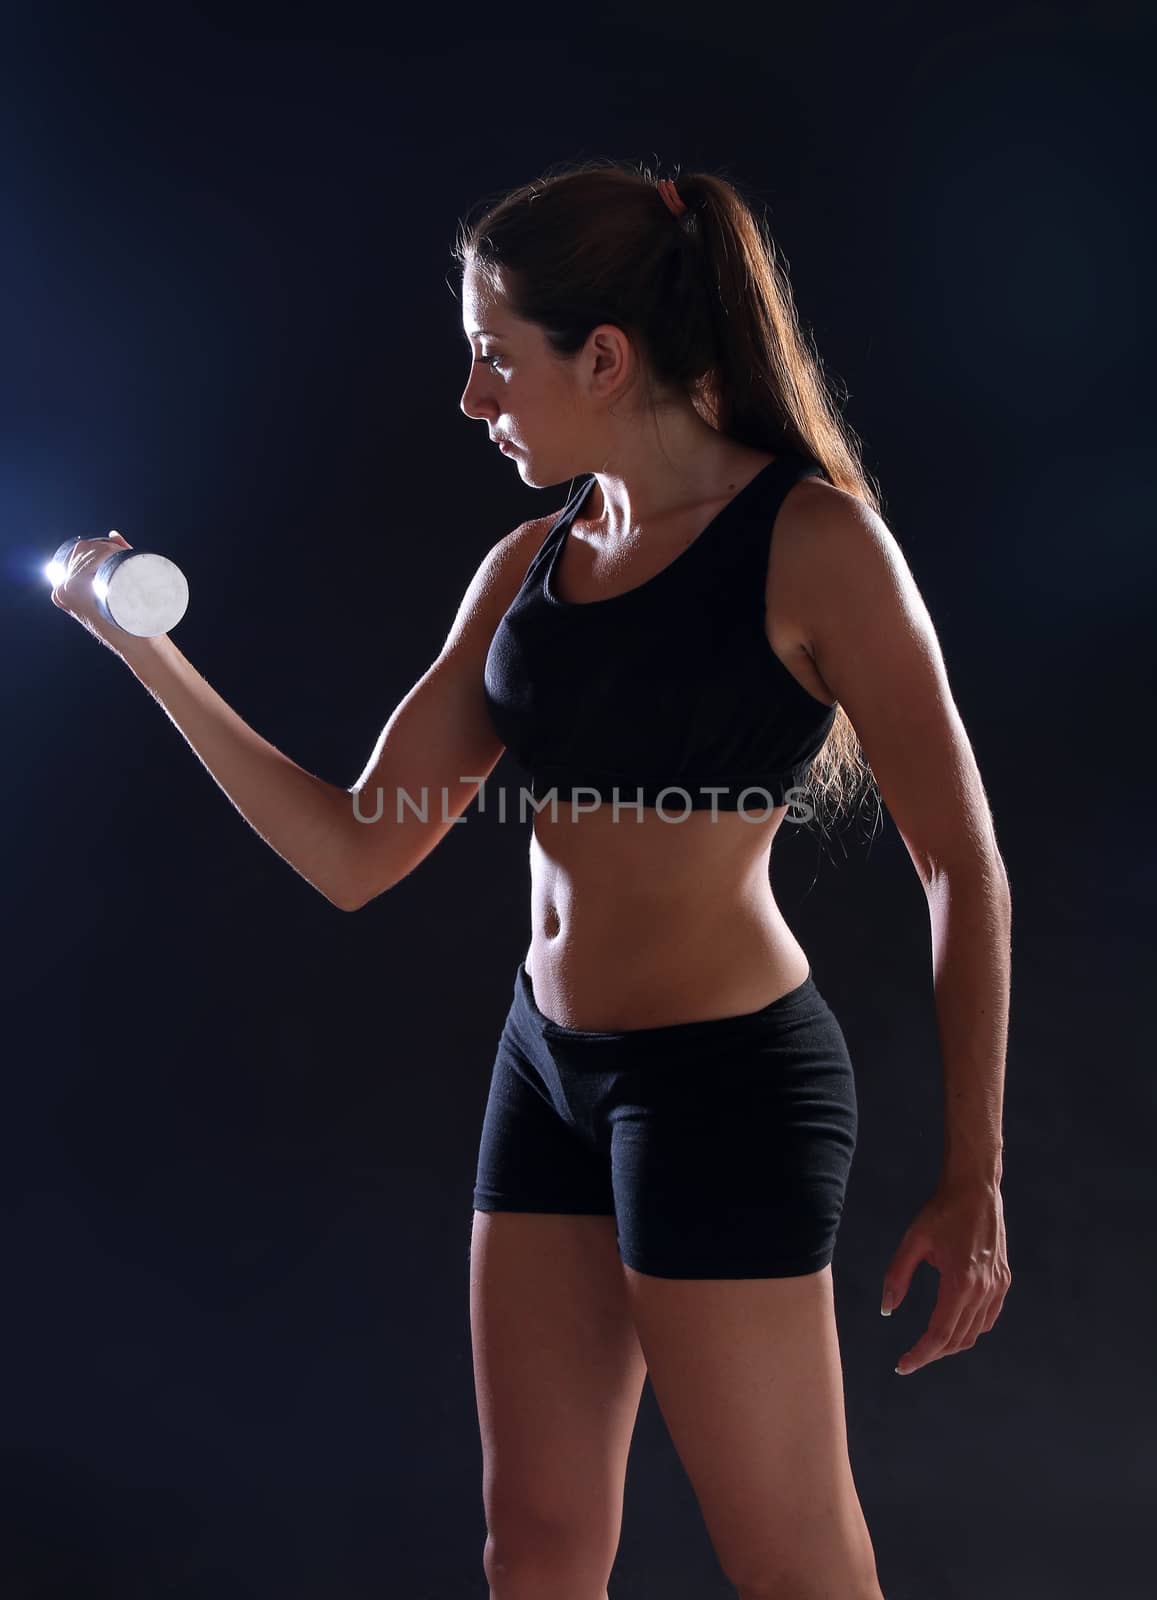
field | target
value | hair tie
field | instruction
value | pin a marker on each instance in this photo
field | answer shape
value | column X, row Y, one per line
column 671, row 200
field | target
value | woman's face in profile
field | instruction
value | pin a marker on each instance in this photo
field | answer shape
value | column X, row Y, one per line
column 516, row 386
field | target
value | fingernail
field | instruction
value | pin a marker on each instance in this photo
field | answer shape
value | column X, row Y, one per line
column 886, row 1308
column 903, row 1371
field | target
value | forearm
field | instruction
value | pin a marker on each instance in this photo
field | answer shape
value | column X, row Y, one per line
column 971, row 917
column 307, row 821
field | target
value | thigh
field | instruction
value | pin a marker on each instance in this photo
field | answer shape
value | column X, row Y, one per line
column 558, row 1374
column 747, row 1375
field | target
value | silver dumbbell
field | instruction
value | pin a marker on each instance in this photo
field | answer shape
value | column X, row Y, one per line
column 138, row 592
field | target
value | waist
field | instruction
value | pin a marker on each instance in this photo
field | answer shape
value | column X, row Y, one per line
column 612, row 966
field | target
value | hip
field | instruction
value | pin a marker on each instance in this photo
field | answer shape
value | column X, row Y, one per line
column 723, row 1080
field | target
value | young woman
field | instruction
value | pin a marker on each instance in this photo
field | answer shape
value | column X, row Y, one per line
column 716, row 628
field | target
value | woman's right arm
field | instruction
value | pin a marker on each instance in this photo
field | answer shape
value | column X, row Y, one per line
column 439, row 733
column 301, row 816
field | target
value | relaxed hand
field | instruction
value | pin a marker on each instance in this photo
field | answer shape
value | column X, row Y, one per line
column 960, row 1232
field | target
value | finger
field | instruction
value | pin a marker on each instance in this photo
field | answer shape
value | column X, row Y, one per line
column 970, row 1334
column 84, row 549
column 947, row 1317
column 986, row 1314
column 77, row 558
column 970, row 1326
column 930, row 1348
column 994, row 1308
column 913, row 1248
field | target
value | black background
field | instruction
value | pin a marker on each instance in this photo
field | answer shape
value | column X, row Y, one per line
column 239, row 1126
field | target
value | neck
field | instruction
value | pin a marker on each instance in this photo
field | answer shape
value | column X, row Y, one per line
column 638, row 491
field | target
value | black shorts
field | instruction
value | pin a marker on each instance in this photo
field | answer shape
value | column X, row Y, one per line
column 722, row 1146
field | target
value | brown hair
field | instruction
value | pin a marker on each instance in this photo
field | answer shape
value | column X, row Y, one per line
column 709, row 307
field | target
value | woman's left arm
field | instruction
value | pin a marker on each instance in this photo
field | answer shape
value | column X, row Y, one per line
column 874, row 645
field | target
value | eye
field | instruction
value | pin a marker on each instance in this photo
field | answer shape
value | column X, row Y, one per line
column 489, row 361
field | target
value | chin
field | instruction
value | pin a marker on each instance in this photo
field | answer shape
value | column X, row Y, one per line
column 522, row 462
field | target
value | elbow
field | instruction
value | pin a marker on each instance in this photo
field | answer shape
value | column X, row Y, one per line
column 339, row 899
column 351, row 903
column 347, row 900
column 359, row 895
column 985, row 876
column 345, row 891
column 360, row 871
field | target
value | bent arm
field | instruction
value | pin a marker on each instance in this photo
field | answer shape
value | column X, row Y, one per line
column 438, row 745
column 308, row 821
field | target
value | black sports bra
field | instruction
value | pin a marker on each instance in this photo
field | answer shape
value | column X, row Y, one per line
column 668, row 693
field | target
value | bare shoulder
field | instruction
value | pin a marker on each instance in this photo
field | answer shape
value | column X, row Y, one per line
column 821, row 529
column 832, row 556
column 828, row 542
column 507, row 563
column 809, row 503
column 795, row 578
column 520, row 546
column 498, row 578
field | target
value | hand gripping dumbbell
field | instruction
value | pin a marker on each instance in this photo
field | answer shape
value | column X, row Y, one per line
column 138, row 592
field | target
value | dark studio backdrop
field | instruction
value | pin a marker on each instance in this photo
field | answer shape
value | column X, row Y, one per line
column 240, row 1126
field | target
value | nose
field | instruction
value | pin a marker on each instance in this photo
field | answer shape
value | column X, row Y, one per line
column 471, row 405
